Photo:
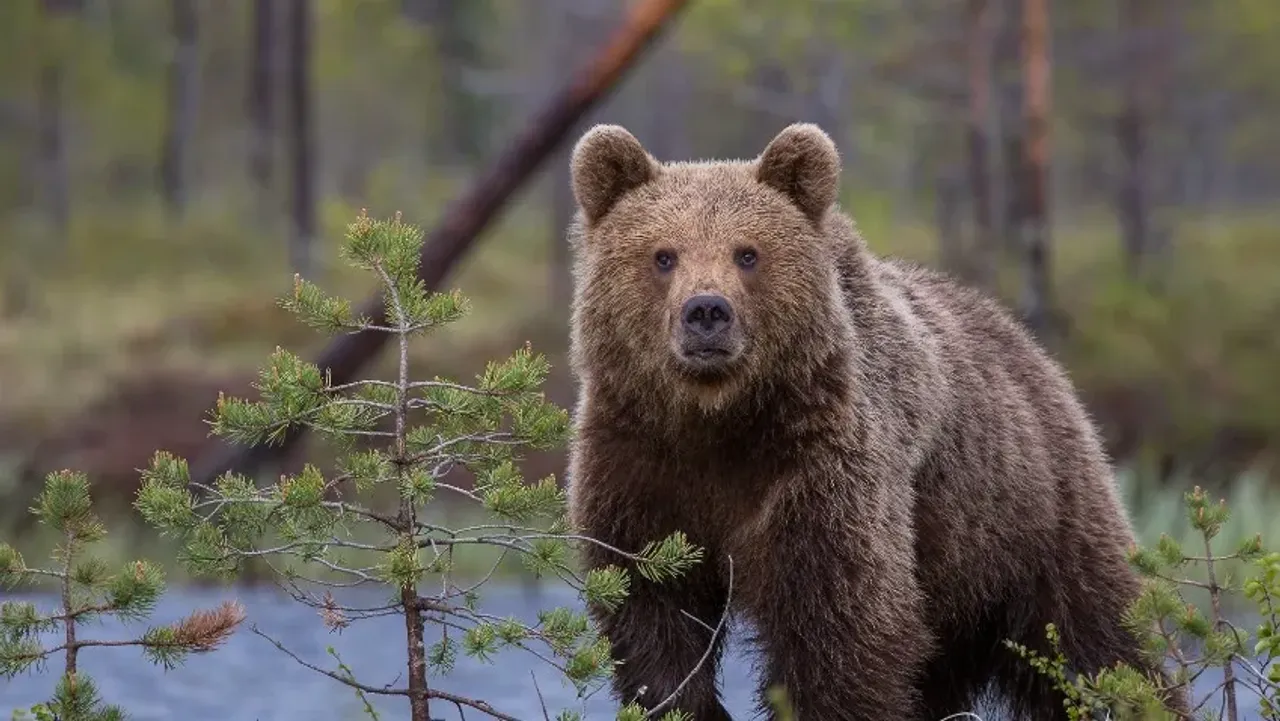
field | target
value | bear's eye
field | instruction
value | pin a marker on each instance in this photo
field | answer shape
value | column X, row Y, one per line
column 746, row 258
column 664, row 259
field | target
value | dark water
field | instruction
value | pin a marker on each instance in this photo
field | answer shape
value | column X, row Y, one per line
column 248, row 679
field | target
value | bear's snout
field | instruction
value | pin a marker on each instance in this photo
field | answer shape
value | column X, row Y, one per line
column 707, row 317
column 709, row 338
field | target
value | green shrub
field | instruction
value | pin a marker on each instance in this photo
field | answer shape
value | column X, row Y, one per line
column 1179, row 633
column 89, row 591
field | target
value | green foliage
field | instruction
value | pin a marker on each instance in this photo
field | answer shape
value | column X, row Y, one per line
column 401, row 438
column 633, row 712
column 89, row 591
column 1175, row 630
column 76, row 698
column 1201, row 371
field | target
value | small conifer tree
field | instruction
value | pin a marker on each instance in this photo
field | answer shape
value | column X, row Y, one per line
column 1178, row 634
column 89, row 591
column 401, row 437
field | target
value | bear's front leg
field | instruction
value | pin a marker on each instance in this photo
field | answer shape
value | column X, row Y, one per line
column 656, row 644
column 837, row 609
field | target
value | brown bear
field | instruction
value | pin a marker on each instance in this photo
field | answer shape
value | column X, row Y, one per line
column 900, row 475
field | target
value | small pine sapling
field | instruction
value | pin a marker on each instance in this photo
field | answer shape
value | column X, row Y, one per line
column 401, row 437
column 1180, row 635
column 89, row 591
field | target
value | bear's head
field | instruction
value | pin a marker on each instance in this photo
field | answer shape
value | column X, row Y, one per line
column 698, row 282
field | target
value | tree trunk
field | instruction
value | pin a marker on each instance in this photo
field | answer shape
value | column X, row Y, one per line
column 460, row 109
column 564, row 22
column 1131, row 136
column 1008, row 71
column 459, row 128
column 667, row 107
column 948, row 190
column 55, row 181
column 1146, row 30
column 983, row 264
column 1036, row 78
column 303, row 227
column 184, row 89
column 260, row 105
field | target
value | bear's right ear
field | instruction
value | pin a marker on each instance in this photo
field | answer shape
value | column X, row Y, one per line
column 803, row 164
column 607, row 163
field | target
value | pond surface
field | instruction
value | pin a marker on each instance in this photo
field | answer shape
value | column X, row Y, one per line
column 248, row 679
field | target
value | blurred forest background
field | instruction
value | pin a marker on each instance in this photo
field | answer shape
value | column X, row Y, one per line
column 167, row 165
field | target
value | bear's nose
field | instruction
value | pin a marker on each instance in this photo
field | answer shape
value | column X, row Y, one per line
column 707, row 315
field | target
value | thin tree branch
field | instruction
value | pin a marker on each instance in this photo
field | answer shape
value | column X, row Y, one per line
column 331, row 674
column 715, row 634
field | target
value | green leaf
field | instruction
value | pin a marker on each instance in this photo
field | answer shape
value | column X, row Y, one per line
column 442, row 655
column 545, row 555
column 163, row 498
column 12, row 567
column 562, row 628
column 668, row 558
column 1170, row 551
column 65, row 505
column 367, row 468
column 607, row 587
column 402, row 569
column 481, row 641
column 136, row 589
column 90, row 573
column 318, row 310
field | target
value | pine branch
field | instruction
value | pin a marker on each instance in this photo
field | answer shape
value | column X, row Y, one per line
column 200, row 632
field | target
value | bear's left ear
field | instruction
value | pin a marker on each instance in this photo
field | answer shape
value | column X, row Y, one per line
column 607, row 163
column 803, row 164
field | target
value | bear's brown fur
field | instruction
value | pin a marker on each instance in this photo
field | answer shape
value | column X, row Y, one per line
column 901, row 476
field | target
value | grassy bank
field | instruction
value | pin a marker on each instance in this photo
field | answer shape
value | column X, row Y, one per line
column 134, row 295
